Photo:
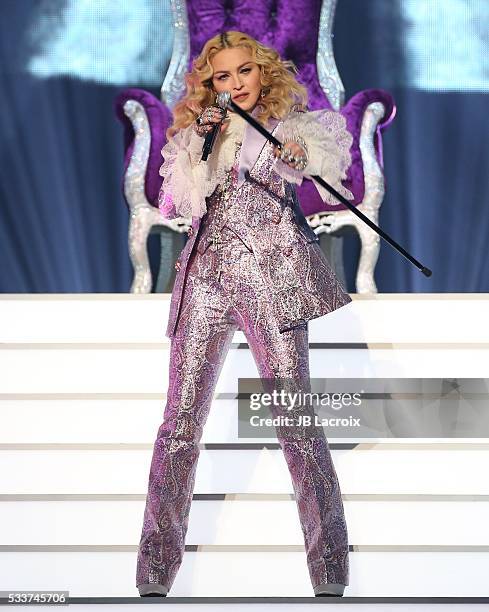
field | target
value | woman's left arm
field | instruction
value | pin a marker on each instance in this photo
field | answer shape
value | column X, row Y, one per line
column 327, row 142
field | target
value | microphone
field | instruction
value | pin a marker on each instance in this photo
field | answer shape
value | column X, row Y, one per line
column 211, row 136
column 223, row 99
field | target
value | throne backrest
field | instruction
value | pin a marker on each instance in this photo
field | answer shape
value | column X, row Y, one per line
column 289, row 26
column 297, row 29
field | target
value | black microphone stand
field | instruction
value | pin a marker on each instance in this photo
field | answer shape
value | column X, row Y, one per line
column 224, row 100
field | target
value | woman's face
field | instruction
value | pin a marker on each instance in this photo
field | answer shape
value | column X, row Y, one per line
column 236, row 72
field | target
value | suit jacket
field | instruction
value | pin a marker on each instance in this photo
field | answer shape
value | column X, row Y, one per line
column 264, row 210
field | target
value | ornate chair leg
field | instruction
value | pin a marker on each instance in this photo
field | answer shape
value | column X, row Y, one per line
column 369, row 244
column 142, row 219
column 374, row 194
column 369, row 254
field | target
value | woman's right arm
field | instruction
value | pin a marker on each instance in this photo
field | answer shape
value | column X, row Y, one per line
column 187, row 181
column 181, row 178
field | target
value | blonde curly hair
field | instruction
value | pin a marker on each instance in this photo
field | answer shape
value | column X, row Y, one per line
column 282, row 90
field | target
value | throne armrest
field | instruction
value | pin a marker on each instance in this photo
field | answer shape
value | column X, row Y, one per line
column 145, row 125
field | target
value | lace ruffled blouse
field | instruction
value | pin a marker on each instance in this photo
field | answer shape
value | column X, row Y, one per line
column 187, row 181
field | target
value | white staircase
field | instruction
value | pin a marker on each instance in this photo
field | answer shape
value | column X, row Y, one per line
column 83, row 381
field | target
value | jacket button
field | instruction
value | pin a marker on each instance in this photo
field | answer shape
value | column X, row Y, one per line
column 177, row 265
column 275, row 219
column 287, row 251
column 190, row 231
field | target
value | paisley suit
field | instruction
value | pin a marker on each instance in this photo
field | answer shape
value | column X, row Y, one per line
column 267, row 216
column 266, row 275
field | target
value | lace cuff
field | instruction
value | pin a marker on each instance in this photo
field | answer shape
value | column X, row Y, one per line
column 328, row 143
column 186, row 182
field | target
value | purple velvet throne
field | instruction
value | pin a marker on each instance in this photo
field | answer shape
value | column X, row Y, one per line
column 301, row 31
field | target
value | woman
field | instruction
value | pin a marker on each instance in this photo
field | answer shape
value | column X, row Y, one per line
column 251, row 263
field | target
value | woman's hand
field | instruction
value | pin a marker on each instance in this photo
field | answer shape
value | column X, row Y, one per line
column 208, row 118
column 292, row 154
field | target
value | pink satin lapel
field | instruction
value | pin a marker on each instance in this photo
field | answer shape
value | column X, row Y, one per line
column 253, row 143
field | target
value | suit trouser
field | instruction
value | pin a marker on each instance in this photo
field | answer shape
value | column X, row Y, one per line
column 213, row 307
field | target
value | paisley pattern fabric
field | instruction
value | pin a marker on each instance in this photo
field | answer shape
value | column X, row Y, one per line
column 264, row 212
column 227, row 287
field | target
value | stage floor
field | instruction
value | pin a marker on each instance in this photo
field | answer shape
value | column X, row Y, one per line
column 82, row 391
